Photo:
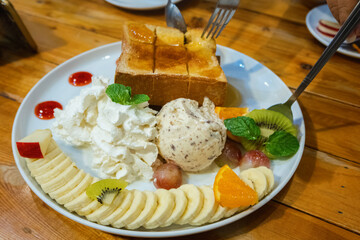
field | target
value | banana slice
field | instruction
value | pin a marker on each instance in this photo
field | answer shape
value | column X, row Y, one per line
column 105, row 210
column 52, row 151
column 133, row 212
column 49, row 165
column 230, row 211
column 35, row 164
column 269, row 178
column 74, row 193
column 195, row 202
column 88, row 208
column 149, row 209
column 240, row 209
column 258, row 179
column 75, row 203
column 47, row 176
column 93, row 206
column 179, row 209
column 219, row 213
column 78, row 203
column 166, row 203
column 59, row 181
column 127, row 199
column 71, row 184
column 208, row 209
column 247, row 181
column 51, row 147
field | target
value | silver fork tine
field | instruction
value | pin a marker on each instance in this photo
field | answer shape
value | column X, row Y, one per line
column 210, row 21
column 231, row 14
column 224, row 11
column 222, row 21
column 221, row 14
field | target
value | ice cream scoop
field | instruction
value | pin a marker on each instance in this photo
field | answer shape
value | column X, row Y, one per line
column 190, row 136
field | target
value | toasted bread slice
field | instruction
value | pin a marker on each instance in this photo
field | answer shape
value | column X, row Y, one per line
column 170, row 60
column 194, row 41
column 169, row 87
column 169, row 36
column 202, row 61
column 171, row 77
column 165, row 69
column 135, row 67
column 214, row 90
column 137, row 58
column 139, row 83
column 141, row 33
column 205, row 73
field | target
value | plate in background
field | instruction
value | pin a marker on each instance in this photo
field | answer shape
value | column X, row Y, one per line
column 140, row 4
column 312, row 21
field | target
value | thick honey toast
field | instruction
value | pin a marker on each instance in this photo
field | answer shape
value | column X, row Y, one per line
column 165, row 68
column 141, row 33
column 169, row 37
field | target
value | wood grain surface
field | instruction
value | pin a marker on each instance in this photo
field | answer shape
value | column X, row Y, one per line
column 321, row 201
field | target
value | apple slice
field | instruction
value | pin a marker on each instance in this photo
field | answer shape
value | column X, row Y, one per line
column 34, row 145
column 331, row 25
column 326, row 31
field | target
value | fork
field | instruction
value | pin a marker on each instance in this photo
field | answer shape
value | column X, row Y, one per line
column 224, row 11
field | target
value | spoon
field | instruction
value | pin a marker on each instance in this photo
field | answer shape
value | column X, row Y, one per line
column 344, row 31
column 174, row 18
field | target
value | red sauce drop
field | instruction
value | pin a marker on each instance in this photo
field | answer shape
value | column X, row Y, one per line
column 45, row 110
column 79, row 79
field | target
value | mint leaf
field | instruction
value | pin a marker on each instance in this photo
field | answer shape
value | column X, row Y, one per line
column 282, row 144
column 139, row 98
column 118, row 93
column 243, row 127
column 128, row 89
column 121, row 94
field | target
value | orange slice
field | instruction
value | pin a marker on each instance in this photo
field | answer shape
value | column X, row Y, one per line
column 230, row 191
column 230, row 112
column 233, row 137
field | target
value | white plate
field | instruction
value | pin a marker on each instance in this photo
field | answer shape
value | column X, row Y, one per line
column 140, row 4
column 312, row 20
column 250, row 84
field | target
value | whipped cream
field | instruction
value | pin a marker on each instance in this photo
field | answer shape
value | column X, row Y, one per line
column 121, row 136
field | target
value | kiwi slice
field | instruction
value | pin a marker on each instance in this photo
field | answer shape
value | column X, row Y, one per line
column 269, row 122
column 105, row 190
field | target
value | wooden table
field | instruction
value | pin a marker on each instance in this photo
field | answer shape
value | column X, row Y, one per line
column 322, row 200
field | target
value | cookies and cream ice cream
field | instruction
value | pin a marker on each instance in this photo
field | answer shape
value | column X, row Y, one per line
column 121, row 136
column 188, row 135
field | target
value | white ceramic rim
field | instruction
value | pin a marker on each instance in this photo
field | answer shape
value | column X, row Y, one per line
column 131, row 5
column 149, row 234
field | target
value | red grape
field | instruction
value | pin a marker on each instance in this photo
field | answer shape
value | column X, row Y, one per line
column 157, row 163
column 232, row 151
column 167, row 176
column 253, row 159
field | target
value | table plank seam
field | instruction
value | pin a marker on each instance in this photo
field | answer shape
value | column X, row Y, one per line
column 11, row 97
column 55, row 20
column 325, row 97
column 317, row 217
column 276, row 17
column 333, row 155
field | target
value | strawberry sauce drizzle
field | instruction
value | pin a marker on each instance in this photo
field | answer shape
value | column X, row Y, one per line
column 79, row 79
column 45, row 110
